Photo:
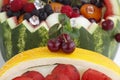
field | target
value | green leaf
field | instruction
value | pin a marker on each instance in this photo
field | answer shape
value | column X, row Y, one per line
column 54, row 31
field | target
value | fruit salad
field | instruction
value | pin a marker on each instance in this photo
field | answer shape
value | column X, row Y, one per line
column 89, row 24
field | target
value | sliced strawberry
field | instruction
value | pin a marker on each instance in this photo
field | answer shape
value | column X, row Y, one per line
column 91, row 74
column 34, row 75
column 29, row 7
column 68, row 70
column 56, row 77
column 22, row 78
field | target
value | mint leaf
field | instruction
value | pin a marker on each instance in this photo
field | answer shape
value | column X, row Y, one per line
column 54, row 31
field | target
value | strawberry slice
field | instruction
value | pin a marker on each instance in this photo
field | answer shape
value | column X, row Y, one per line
column 34, row 75
column 22, row 78
column 56, row 77
column 68, row 70
column 91, row 74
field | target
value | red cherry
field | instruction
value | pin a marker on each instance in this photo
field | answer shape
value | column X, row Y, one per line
column 68, row 47
column 117, row 37
column 107, row 25
column 53, row 45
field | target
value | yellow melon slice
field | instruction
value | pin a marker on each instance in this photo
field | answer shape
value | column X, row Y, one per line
column 43, row 60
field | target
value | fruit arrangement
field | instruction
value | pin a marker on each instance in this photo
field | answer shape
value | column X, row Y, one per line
column 42, row 64
column 91, row 24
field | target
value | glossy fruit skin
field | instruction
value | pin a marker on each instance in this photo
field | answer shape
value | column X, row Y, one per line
column 107, row 24
column 48, row 9
column 53, row 45
column 68, row 70
column 57, row 77
column 91, row 11
column 27, row 16
column 22, row 78
column 68, row 47
column 34, row 75
column 64, row 37
column 117, row 37
column 91, row 74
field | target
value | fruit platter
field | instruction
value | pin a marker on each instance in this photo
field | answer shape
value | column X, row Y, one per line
column 91, row 24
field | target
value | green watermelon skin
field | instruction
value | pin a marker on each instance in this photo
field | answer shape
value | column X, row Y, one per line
column 36, row 39
column 7, row 40
column 18, row 39
column 85, row 40
column 14, row 41
column 101, row 41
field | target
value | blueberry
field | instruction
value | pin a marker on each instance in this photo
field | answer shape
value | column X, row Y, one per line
column 60, row 1
column 35, row 12
column 27, row 16
column 17, row 14
column 66, row 2
column 93, row 1
column 9, row 13
column 42, row 15
column 41, row 10
column 50, row 12
column 47, row 8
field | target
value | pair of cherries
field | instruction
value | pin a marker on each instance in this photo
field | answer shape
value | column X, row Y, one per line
column 63, row 42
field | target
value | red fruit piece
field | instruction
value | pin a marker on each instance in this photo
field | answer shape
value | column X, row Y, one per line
column 34, row 75
column 107, row 24
column 22, row 78
column 54, row 45
column 56, row 77
column 29, row 7
column 117, row 37
column 91, row 74
column 16, row 5
column 76, row 12
column 24, row 2
column 68, row 70
column 67, row 10
column 109, row 8
column 6, row 2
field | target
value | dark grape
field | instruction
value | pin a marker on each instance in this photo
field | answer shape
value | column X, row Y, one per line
column 17, row 14
column 66, row 2
column 48, row 9
column 60, row 1
column 35, row 12
column 53, row 45
column 42, row 15
column 117, row 37
column 9, row 13
column 68, row 47
column 93, row 1
column 27, row 16
column 76, row 10
column 107, row 25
